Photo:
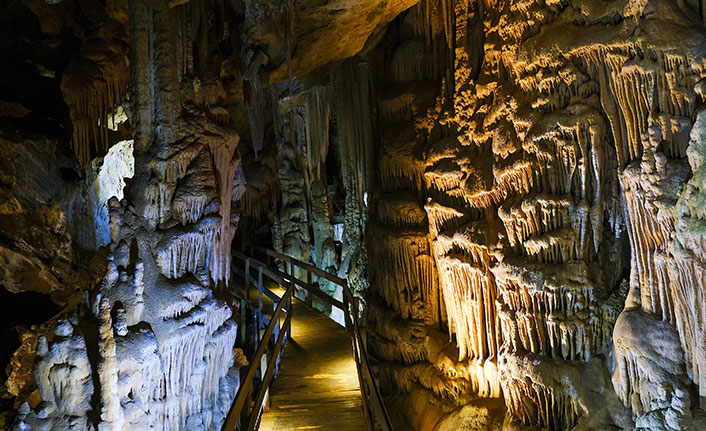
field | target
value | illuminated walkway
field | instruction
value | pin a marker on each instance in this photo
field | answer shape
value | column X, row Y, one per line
column 317, row 386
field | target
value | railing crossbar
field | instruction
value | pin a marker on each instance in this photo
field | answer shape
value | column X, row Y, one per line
column 369, row 388
column 243, row 391
column 255, row 417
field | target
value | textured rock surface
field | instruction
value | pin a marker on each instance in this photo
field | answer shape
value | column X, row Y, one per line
column 312, row 33
column 150, row 346
column 526, row 169
column 514, row 188
column 544, row 140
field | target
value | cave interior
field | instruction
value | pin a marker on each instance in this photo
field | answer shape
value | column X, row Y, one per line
column 511, row 190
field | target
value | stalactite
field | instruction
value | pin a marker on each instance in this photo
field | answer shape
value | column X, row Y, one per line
column 690, row 313
column 469, row 295
column 161, row 195
column 568, row 140
column 407, row 65
column 475, row 377
column 635, row 89
column 397, row 108
column 317, row 119
column 195, row 352
column 225, row 166
column 413, row 290
column 190, row 209
column 557, row 317
column 158, row 348
column 187, row 297
column 353, row 86
column 401, row 209
column 189, row 251
column 534, row 403
column 397, row 172
column 440, row 217
column 187, row 17
column 444, row 176
column 90, row 105
column 516, row 178
column 432, row 18
column 403, row 378
column 255, row 205
column 651, row 229
column 537, row 214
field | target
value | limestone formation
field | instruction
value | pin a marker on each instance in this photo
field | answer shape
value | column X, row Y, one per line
column 513, row 189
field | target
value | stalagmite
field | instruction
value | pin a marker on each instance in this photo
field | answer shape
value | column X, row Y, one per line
column 650, row 369
column 111, row 414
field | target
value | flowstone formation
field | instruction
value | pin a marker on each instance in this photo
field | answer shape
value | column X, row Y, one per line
column 530, row 187
column 151, row 346
column 548, row 142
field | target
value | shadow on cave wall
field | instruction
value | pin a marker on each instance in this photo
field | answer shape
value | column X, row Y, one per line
column 19, row 310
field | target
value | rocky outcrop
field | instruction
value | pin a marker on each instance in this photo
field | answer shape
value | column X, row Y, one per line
column 300, row 37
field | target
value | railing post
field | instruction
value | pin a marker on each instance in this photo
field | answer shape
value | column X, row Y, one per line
column 240, row 404
column 247, row 278
column 351, row 326
column 309, row 282
column 260, row 287
column 243, row 303
column 245, row 413
column 259, row 280
column 376, row 415
column 347, row 315
column 291, row 310
column 243, row 313
column 256, row 332
column 356, row 307
column 291, row 275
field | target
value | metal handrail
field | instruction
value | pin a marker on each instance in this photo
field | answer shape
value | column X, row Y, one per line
column 271, row 364
column 376, row 414
column 244, row 391
column 365, row 376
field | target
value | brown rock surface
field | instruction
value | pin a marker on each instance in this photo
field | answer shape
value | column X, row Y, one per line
column 320, row 32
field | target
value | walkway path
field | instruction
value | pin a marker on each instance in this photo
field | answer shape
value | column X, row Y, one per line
column 317, row 387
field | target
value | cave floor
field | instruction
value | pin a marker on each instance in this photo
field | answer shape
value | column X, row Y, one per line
column 317, row 387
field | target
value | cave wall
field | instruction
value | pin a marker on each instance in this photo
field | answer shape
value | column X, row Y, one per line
column 530, row 210
column 146, row 339
column 513, row 188
column 548, row 142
